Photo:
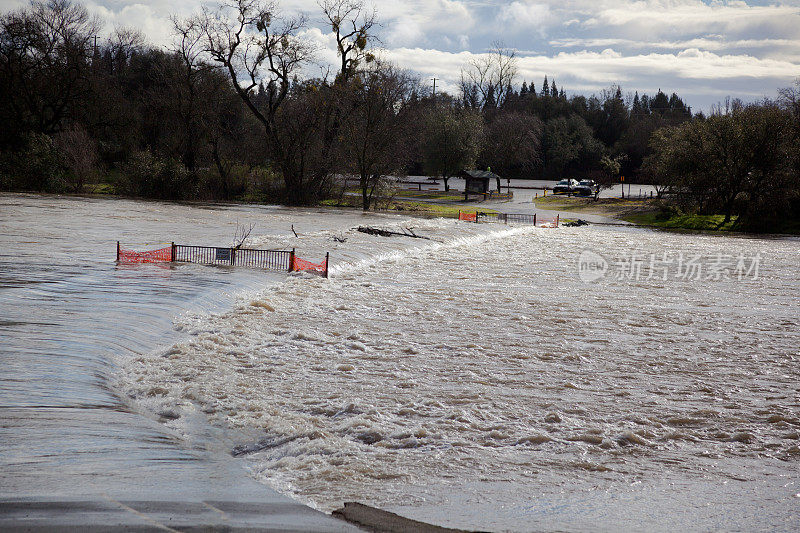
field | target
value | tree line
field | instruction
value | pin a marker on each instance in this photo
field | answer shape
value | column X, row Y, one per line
column 229, row 112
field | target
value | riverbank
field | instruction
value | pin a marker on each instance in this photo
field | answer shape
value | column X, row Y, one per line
column 651, row 213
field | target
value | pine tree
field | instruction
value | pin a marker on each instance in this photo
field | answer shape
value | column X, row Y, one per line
column 636, row 108
column 491, row 101
column 553, row 90
column 660, row 103
column 523, row 91
column 510, row 96
column 532, row 89
column 545, row 88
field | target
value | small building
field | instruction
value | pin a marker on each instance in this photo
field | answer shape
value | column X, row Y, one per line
column 478, row 182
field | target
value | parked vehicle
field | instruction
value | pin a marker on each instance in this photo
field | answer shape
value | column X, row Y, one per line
column 586, row 188
column 565, row 187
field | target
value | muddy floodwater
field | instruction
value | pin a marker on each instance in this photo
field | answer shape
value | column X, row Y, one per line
column 489, row 377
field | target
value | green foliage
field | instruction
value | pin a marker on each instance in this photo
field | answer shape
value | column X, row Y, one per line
column 148, row 175
column 569, row 147
column 37, row 167
column 733, row 163
column 451, row 140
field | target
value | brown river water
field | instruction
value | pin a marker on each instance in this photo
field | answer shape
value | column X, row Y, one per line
column 492, row 377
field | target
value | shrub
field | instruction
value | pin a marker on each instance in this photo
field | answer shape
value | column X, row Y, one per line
column 38, row 167
column 150, row 176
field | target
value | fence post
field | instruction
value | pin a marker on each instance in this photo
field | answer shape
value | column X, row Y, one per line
column 327, row 257
column 557, row 217
column 117, row 251
column 233, row 256
column 291, row 261
column 172, row 257
column 534, row 219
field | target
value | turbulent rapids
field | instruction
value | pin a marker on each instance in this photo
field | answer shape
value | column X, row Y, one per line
column 478, row 370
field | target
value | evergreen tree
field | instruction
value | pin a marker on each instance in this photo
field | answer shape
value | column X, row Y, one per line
column 523, row 91
column 553, row 90
column 660, row 103
column 491, row 101
column 545, row 88
column 636, row 108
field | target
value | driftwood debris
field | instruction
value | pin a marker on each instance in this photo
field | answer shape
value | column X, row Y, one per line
column 578, row 222
column 241, row 235
column 407, row 232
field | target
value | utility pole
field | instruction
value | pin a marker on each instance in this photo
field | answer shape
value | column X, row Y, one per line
column 434, row 90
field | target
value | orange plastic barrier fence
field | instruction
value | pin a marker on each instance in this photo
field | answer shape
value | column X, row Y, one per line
column 301, row 265
column 548, row 222
column 151, row 256
column 469, row 217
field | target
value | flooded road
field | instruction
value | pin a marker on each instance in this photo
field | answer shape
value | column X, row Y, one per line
column 479, row 379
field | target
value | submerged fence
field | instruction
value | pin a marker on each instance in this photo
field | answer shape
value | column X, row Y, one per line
column 519, row 218
column 209, row 255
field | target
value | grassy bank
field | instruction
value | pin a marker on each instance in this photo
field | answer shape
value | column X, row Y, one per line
column 651, row 213
column 403, row 206
column 685, row 221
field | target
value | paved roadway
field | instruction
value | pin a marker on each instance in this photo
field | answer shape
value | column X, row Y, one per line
column 524, row 201
column 135, row 481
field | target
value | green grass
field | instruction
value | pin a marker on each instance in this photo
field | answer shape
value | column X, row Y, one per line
column 404, row 206
column 684, row 221
column 99, row 188
column 449, row 196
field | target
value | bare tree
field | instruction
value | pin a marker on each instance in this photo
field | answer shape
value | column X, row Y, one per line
column 80, row 155
column 242, row 234
column 44, row 53
column 488, row 77
column 254, row 45
column 125, row 41
column 352, row 24
column 375, row 133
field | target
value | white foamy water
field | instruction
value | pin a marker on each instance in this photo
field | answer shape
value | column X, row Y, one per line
column 475, row 381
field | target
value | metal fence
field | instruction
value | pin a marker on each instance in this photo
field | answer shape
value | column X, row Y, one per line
column 515, row 218
column 213, row 255
column 208, row 255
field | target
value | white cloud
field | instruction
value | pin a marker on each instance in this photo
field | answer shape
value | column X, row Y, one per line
column 715, row 43
column 596, row 70
column 417, row 22
column 526, row 16
column 652, row 20
column 689, row 46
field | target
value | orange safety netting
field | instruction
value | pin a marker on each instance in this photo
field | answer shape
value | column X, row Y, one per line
column 548, row 222
column 150, row 256
column 301, row 265
column 469, row 217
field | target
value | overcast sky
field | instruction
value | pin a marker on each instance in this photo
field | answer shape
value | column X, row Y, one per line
column 704, row 51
